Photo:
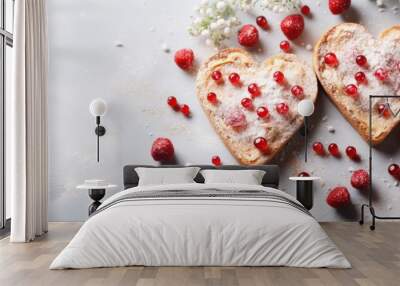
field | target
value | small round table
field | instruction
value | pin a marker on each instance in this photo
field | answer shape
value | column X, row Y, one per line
column 304, row 190
column 96, row 193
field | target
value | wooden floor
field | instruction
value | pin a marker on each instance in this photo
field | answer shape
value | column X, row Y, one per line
column 375, row 257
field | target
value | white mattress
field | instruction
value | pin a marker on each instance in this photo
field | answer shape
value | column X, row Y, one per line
column 200, row 231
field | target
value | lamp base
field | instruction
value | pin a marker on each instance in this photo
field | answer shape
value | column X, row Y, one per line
column 100, row 130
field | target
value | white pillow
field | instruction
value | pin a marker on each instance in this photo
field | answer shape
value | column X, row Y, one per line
column 248, row 177
column 165, row 176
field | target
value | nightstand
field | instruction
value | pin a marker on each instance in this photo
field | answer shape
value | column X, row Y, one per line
column 304, row 190
column 97, row 190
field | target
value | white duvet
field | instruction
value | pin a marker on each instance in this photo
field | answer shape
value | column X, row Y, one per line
column 200, row 231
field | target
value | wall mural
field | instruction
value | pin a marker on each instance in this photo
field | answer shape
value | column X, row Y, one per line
column 219, row 82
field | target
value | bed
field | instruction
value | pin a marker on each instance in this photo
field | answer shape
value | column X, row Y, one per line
column 201, row 224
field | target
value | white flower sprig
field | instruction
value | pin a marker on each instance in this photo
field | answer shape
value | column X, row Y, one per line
column 280, row 6
column 216, row 19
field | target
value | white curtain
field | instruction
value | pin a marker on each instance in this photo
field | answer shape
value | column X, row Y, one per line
column 27, row 122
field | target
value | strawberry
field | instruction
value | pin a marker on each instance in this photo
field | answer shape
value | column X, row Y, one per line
column 162, row 150
column 248, row 36
column 338, row 197
column 184, row 58
column 339, row 6
column 292, row 26
column 360, row 179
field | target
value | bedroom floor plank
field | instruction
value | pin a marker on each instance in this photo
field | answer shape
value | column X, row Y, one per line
column 375, row 257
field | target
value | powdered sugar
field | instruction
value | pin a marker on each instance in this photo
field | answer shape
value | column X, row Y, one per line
column 379, row 53
column 272, row 93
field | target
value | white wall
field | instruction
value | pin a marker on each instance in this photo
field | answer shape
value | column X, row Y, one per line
column 137, row 78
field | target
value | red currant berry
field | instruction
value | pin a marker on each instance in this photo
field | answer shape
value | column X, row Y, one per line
column 261, row 144
column 216, row 75
column 185, row 109
column 262, row 112
column 331, row 60
column 262, row 22
column 334, row 149
column 216, row 160
column 352, row 153
column 360, row 77
column 394, row 170
column 381, row 74
column 279, row 77
column 383, row 110
column 351, row 90
column 282, row 108
column 212, row 97
column 254, row 90
column 305, row 10
column 172, row 101
column 247, row 103
column 303, row 174
column 361, row 60
column 319, row 148
column 285, row 46
column 234, row 78
column 297, row 91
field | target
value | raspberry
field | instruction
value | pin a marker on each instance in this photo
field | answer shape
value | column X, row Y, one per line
column 235, row 118
column 338, row 197
column 184, row 58
column 360, row 179
column 248, row 36
column 339, row 6
column 292, row 26
column 162, row 150
column 216, row 160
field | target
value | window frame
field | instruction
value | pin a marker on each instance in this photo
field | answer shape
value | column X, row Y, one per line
column 6, row 39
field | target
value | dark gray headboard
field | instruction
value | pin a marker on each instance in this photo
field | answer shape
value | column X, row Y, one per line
column 271, row 178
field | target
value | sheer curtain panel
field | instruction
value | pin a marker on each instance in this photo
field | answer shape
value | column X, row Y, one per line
column 27, row 123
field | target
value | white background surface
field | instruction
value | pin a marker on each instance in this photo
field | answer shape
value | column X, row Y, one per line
column 136, row 79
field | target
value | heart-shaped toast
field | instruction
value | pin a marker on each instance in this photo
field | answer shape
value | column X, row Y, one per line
column 254, row 135
column 349, row 81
